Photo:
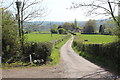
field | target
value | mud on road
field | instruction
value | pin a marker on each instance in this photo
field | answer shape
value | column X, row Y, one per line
column 71, row 66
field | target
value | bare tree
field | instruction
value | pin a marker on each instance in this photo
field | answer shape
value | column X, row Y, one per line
column 29, row 10
column 32, row 9
column 100, row 7
column 6, row 4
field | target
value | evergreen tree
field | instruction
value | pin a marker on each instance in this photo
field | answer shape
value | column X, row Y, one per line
column 75, row 24
column 101, row 29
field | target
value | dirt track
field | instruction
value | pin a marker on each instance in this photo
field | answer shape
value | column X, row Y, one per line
column 71, row 66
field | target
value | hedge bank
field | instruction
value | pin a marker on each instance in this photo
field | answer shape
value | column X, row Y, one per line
column 109, row 53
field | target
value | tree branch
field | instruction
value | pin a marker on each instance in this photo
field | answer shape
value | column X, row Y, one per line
column 30, row 5
column 113, row 14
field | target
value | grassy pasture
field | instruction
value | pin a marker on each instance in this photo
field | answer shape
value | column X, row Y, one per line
column 42, row 37
column 99, row 39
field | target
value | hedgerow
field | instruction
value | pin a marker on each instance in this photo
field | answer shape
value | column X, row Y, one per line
column 109, row 52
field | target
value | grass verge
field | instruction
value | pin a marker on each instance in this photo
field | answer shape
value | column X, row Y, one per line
column 55, row 55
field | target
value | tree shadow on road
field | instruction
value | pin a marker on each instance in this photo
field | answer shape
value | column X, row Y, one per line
column 99, row 75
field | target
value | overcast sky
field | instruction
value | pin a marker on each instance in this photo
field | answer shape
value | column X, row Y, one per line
column 57, row 11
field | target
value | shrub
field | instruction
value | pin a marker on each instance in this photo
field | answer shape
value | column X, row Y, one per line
column 41, row 50
column 27, row 51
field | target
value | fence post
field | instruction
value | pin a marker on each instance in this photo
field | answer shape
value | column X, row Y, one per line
column 30, row 58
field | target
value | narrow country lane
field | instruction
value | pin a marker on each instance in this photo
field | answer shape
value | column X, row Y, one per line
column 78, row 67
column 71, row 66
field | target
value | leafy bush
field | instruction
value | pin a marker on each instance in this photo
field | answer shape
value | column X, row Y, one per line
column 10, row 40
column 41, row 50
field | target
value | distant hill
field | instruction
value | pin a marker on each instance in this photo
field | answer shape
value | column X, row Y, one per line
column 46, row 25
column 99, row 22
column 80, row 23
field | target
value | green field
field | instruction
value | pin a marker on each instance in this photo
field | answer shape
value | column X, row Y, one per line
column 42, row 37
column 99, row 39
